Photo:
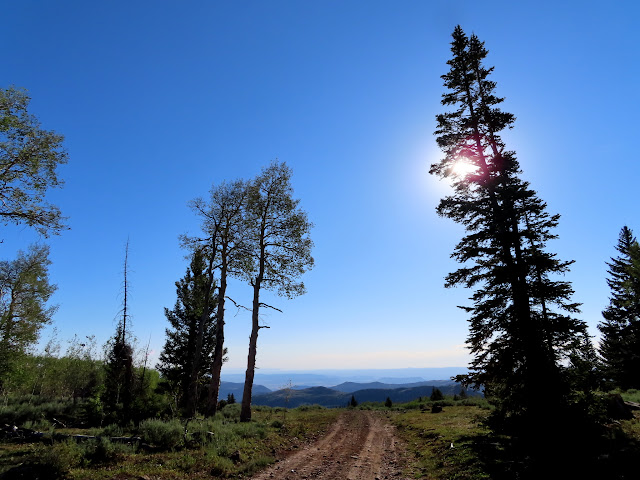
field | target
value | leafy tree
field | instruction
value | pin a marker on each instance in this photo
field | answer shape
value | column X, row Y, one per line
column 222, row 243
column 24, row 292
column 279, row 248
column 81, row 372
column 521, row 328
column 191, row 319
column 29, row 157
column 620, row 344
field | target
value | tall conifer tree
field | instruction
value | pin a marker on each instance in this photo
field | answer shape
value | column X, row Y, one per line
column 620, row 344
column 188, row 350
column 521, row 328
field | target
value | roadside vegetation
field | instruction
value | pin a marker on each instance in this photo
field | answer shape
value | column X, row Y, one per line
column 222, row 447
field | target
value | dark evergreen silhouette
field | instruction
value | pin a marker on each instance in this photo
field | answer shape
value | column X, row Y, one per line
column 118, row 394
column 388, row 403
column 188, row 350
column 353, row 402
column 118, row 397
column 620, row 344
column 521, row 329
column 436, row 395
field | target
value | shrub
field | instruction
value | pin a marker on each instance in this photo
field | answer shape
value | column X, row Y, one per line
column 221, row 467
column 60, row 458
column 113, row 430
column 164, row 434
column 307, row 408
column 199, row 431
column 231, row 411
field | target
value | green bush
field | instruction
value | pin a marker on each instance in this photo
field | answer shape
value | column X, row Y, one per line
column 112, row 430
column 231, row 411
column 59, row 458
column 164, row 434
column 200, row 432
column 250, row 430
column 306, row 408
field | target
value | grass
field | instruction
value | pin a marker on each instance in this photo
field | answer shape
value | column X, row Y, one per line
column 453, row 444
column 222, row 447
column 444, row 445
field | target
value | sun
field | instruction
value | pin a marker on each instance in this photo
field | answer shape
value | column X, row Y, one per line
column 462, row 168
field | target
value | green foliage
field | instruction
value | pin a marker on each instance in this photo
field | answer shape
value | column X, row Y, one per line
column 24, row 292
column 29, row 157
column 167, row 434
column 188, row 351
column 60, row 458
column 279, row 250
column 353, row 402
column 521, row 329
column 620, row 344
column 18, row 410
column 118, row 393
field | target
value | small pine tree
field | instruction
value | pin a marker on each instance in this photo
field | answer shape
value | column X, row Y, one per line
column 388, row 403
column 436, row 395
column 231, row 399
column 353, row 402
column 117, row 396
column 620, row 344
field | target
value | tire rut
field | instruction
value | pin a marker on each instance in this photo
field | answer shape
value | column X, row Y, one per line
column 361, row 445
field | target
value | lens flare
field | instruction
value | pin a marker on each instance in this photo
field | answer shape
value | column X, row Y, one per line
column 462, row 168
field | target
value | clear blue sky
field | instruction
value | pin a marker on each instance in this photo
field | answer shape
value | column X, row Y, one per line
column 160, row 99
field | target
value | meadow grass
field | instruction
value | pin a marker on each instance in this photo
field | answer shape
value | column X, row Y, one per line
column 443, row 445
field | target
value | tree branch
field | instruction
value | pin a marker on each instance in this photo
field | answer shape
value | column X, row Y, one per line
column 269, row 306
column 238, row 306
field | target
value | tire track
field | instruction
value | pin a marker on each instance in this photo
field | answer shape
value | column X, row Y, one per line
column 360, row 445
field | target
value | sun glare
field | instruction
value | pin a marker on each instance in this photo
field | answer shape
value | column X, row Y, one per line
column 462, row 168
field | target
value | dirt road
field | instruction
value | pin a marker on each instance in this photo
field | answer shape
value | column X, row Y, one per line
column 361, row 445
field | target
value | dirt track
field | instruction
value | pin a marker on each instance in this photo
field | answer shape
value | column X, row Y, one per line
column 361, row 445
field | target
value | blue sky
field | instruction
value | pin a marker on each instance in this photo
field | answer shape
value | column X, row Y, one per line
column 158, row 100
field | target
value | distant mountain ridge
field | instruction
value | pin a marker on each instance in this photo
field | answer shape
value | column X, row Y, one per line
column 350, row 387
column 227, row 388
column 331, row 397
column 277, row 379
